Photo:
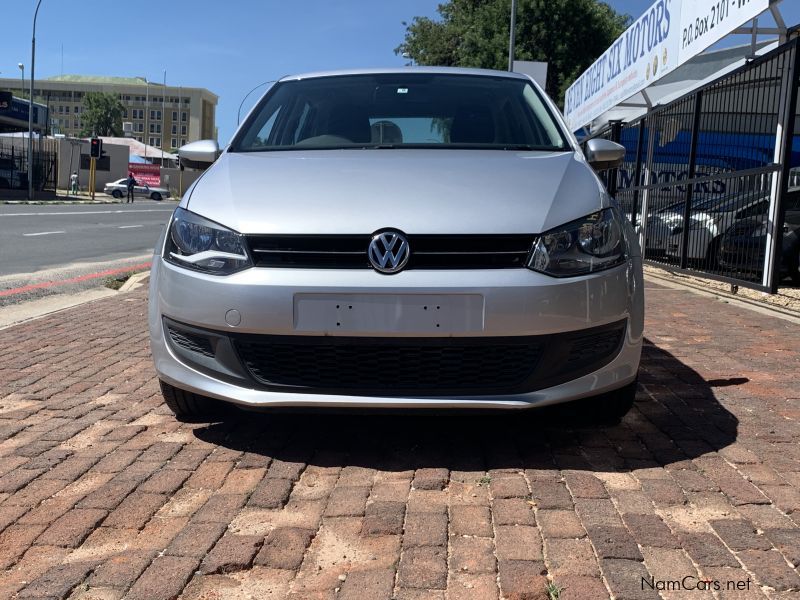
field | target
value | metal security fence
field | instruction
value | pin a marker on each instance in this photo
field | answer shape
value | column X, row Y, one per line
column 707, row 179
column 14, row 164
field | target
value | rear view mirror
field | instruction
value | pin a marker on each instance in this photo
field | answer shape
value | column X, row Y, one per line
column 200, row 154
column 604, row 154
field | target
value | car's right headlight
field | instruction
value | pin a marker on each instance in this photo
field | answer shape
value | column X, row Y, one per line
column 583, row 246
column 196, row 243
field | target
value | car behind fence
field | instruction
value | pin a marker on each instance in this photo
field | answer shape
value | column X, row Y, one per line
column 710, row 180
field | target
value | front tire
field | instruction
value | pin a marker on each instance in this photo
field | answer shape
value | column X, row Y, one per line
column 606, row 409
column 188, row 406
column 155, row 196
column 611, row 407
column 117, row 194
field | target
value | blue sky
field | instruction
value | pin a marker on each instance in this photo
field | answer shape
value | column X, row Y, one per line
column 225, row 47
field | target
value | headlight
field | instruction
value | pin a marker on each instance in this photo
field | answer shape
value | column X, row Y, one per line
column 586, row 245
column 202, row 245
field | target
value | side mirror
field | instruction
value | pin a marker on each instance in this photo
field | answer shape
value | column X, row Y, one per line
column 604, row 154
column 200, row 154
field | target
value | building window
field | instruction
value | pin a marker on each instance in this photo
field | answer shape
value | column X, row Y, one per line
column 183, row 116
column 174, row 115
column 155, row 115
column 75, row 109
column 140, row 128
column 183, row 129
column 75, row 123
column 174, row 129
column 138, row 138
column 124, row 113
column 155, row 141
column 183, row 142
column 173, row 143
column 155, row 127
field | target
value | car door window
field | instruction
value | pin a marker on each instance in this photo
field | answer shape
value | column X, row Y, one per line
column 757, row 209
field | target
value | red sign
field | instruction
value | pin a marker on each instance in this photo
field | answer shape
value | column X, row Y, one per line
column 145, row 174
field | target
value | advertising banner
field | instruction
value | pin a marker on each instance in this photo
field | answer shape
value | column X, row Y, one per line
column 704, row 22
column 146, row 174
column 668, row 34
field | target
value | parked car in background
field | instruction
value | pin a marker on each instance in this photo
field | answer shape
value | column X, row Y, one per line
column 709, row 220
column 660, row 225
column 119, row 189
column 744, row 243
column 466, row 256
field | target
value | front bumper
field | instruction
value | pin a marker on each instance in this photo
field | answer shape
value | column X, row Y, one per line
column 517, row 304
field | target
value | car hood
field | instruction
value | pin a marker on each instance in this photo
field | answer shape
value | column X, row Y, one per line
column 416, row 191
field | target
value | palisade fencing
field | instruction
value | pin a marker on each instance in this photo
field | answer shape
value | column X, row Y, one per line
column 707, row 178
column 14, row 163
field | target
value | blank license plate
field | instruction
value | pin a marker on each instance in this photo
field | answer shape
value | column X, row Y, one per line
column 388, row 313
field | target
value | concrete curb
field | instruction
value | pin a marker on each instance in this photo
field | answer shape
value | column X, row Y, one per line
column 759, row 307
column 134, row 281
column 16, row 314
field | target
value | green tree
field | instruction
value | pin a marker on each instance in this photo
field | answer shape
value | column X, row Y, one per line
column 567, row 34
column 102, row 114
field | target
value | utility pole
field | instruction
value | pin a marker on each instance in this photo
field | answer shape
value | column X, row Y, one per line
column 512, row 35
column 163, row 116
column 30, row 106
column 146, row 116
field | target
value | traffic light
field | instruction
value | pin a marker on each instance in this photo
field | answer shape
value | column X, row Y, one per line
column 97, row 148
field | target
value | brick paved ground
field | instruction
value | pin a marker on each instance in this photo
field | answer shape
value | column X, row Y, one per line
column 103, row 495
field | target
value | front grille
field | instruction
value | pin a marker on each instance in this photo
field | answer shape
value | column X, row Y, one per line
column 190, row 341
column 427, row 251
column 426, row 366
column 583, row 348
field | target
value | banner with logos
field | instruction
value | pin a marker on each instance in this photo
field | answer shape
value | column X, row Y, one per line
column 667, row 35
column 146, row 174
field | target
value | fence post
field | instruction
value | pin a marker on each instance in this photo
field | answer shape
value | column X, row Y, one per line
column 637, row 171
column 615, row 134
column 648, row 170
column 687, row 209
column 780, row 180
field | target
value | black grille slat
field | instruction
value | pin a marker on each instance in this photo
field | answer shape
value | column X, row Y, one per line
column 426, row 366
column 191, row 342
column 359, row 364
column 427, row 251
column 585, row 347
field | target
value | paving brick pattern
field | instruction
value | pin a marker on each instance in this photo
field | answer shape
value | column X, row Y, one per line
column 104, row 495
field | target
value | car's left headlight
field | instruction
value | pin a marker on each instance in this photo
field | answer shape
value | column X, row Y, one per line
column 196, row 243
column 583, row 246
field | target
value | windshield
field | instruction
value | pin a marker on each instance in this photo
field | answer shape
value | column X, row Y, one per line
column 401, row 111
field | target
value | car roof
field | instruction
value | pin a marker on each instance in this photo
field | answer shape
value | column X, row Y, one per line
column 407, row 70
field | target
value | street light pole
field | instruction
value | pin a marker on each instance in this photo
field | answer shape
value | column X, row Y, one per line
column 22, row 80
column 30, row 105
column 163, row 117
column 511, row 35
column 146, row 116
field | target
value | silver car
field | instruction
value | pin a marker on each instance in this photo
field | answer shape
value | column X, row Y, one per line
column 119, row 188
column 418, row 238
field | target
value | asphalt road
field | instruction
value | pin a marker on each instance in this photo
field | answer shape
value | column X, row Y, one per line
column 48, row 249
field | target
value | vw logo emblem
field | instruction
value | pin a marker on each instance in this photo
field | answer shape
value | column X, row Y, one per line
column 388, row 251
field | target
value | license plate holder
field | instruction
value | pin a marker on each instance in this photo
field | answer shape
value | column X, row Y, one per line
column 389, row 313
